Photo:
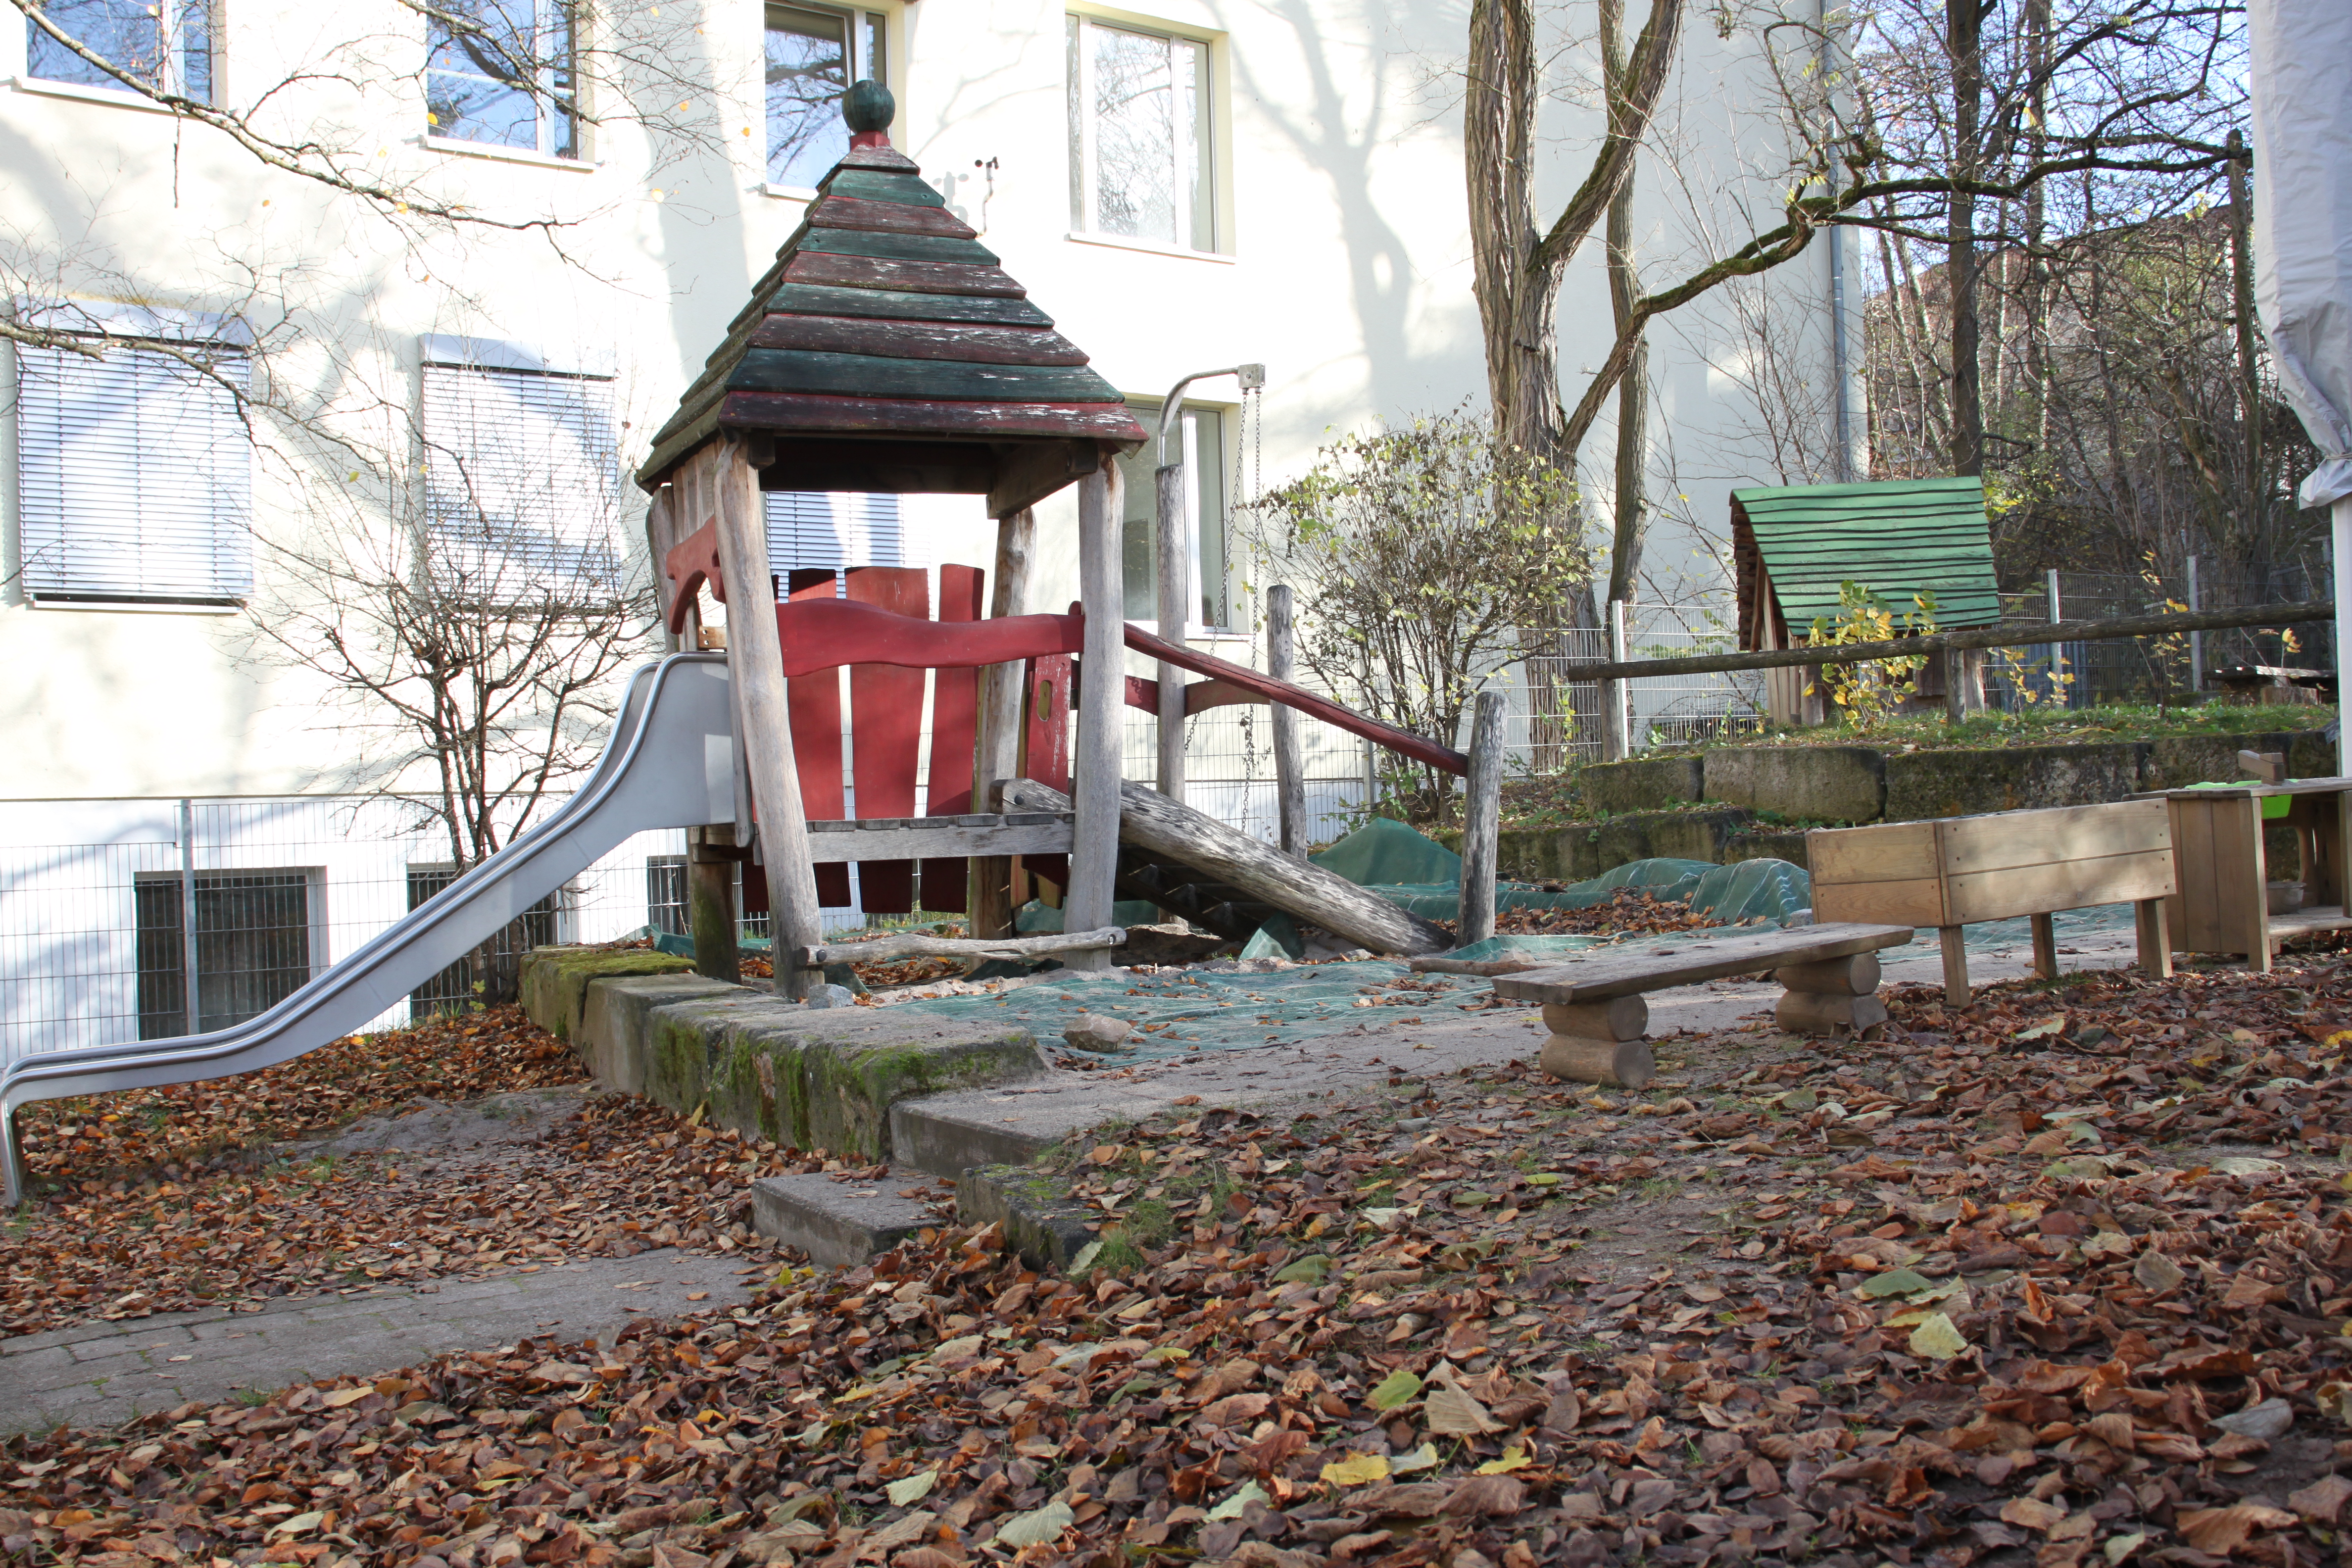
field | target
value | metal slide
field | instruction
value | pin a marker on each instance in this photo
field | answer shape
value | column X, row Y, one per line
column 670, row 763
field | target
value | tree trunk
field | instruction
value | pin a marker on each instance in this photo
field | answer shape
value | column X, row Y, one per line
column 2249, row 386
column 1634, row 390
column 1963, row 21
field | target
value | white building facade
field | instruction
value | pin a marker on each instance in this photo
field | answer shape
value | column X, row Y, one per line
column 529, row 232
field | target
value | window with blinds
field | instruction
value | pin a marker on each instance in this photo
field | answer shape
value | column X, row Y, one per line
column 522, row 482
column 835, row 529
column 135, row 477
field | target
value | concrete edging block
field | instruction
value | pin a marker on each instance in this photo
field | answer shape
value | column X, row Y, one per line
column 812, row 1078
column 1042, row 1225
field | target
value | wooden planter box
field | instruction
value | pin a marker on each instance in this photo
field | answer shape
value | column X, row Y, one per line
column 2222, row 903
column 1951, row 872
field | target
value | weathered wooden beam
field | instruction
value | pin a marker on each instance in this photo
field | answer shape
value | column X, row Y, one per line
column 1301, row 888
column 903, row 415
column 997, row 752
column 755, row 664
column 939, row 838
column 1289, row 770
column 1028, row 474
column 1420, row 748
column 833, row 373
column 899, row 304
column 1482, row 819
column 1625, row 973
column 882, row 949
column 899, row 247
column 917, row 340
column 959, row 277
column 830, row 211
column 1094, row 761
column 1986, row 636
column 710, row 863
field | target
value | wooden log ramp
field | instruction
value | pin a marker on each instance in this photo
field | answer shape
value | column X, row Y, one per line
column 1300, row 887
column 882, row 949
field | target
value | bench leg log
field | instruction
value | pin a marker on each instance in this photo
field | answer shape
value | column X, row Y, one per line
column 1831, row 997
column 1600, row 1043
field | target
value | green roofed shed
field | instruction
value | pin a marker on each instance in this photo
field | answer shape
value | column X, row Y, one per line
column 1793, row 545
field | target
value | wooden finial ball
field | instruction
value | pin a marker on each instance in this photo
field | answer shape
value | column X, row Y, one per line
column 869, row 106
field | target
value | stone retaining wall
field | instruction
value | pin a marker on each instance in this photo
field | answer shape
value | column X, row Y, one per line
column 816, row 1077
column 1848, row 785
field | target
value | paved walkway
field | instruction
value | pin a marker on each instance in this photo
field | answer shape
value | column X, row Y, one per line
column 95, row 1374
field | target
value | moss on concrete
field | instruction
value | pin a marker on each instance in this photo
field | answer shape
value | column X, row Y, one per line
column 1032, row 1205
column 554, row 980
column 1644, row 784
column 1964, row 784
column 1814, row 784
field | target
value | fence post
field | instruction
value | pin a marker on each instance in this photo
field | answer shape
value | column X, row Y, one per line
column 1482, row 812
column 2196, row 639
column 1289, row 779
column 2057, row 649
column 1615, row 740
column 188, row 914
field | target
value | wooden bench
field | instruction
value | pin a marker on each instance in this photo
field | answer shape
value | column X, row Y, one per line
column 1949, row 872
column 1599, row 1024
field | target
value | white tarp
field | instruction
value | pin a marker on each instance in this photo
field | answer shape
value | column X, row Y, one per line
column 2302, row 90
column 2302, row 219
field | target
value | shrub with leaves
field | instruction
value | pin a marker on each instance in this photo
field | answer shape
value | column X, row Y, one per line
column 1864, row 693
column 1417, row 550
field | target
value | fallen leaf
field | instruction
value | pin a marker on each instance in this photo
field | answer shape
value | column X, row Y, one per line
column 1451, row 1413
column 1356, row 1469
column 1937, row 1339
column 1512, row 1459
column 1400, row 1387
column 1038, row 1526
column 1231, row 1507
column 914, row 1489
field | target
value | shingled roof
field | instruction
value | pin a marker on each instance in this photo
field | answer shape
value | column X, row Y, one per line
column 1896, row 537
column 887, row 350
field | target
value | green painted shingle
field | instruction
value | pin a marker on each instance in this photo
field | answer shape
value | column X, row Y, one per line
column 1896, row 537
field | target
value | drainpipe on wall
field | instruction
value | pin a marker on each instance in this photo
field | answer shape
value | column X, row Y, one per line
column 1839, row 357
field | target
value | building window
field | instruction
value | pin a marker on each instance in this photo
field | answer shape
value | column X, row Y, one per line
column 522, row 484
column 502, row 72
column 252, row 948
column 833, row 531
column 665, row 893
column 134, row 474
column 1198, row 442
column 812, row 56
column 165, row 45
column 1139, row 107
column 491, row 974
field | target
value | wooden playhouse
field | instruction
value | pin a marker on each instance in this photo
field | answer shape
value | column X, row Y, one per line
column 1794, row 546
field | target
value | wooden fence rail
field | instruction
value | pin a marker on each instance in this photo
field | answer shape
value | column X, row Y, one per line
column 1930, row 642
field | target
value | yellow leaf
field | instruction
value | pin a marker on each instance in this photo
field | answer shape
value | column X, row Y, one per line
column 1512, row 1459
column 914, row 1489
column 1356, row 1469
column 1937, row 1338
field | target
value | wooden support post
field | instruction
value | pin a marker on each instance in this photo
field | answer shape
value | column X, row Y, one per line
column 661, row 533
column 1599, row 1042
column 1616, row 742
column 1289, row 778
column 1956, row 965
column 755, row 666
column 2155, row 944
column 710, row 901
column 1856, row 976
column 1482, row 813
column 2045, row 945
column 1102, row 699
column 997, row 757
column 1172, row 541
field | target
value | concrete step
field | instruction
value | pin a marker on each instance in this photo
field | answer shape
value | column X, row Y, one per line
column 947, row 1134
column 840, row 1223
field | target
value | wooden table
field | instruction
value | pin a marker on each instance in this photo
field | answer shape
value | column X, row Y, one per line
column 1948, row 872
column 2223, row 901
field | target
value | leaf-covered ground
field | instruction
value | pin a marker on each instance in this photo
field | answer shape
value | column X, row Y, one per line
column 2055, row 1279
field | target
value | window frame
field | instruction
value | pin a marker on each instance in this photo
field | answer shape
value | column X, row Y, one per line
column 1207, row 205
column 868, row 57
column 551, row 106
column 228, row 528
column 1195, row 445
column 172, row 81
column 468, row 358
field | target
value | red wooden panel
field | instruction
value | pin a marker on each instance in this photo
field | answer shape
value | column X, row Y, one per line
column 886, row 717
column 841, row 631
column 955, row 738
column 814, row 701
column 1046, row 744
column 692, row 562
